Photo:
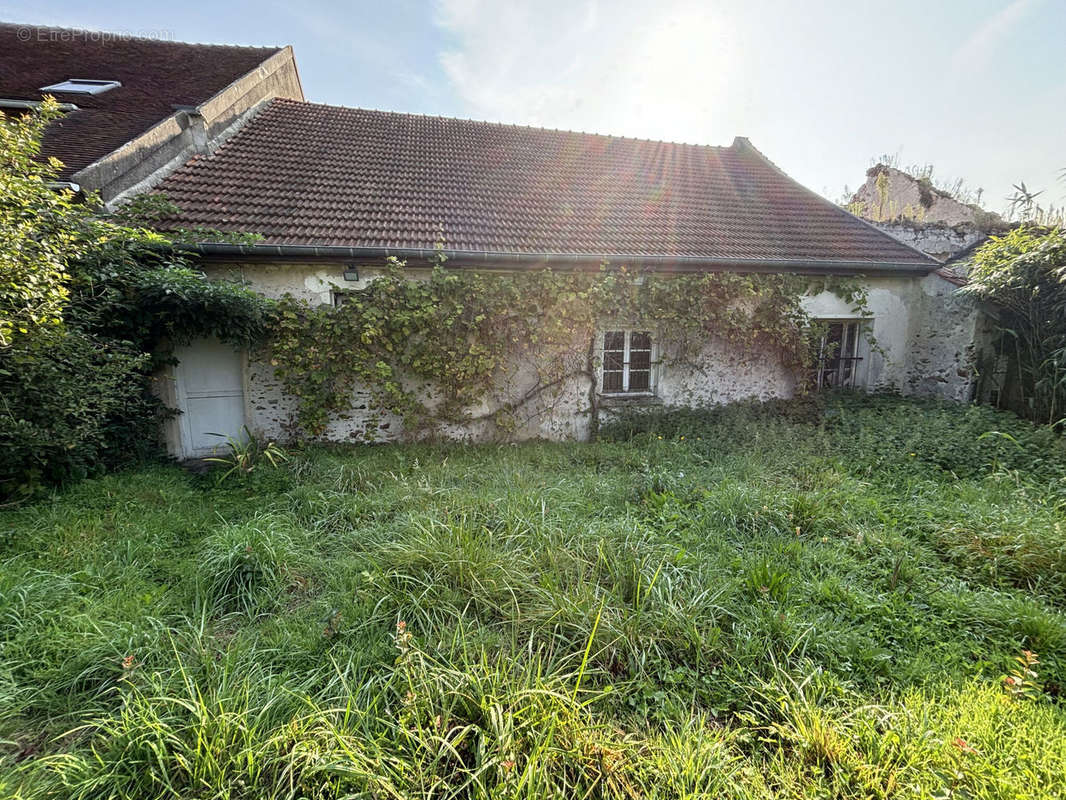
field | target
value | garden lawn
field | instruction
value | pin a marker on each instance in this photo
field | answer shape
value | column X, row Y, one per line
column 794, row 600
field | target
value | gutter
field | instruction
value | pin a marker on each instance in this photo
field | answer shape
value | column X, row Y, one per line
column 505, row 261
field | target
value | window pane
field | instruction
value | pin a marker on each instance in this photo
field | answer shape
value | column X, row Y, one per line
column 639, row 359
column 837, row 354
column 851, row 337
column 612, row 381
column 833, row 335
column 640, row 340
column 613, row 360
column 639, row 380
column 614, row 340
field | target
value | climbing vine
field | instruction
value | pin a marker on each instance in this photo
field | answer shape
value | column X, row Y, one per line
column 454, row 346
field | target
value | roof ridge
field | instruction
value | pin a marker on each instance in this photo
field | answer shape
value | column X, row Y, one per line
column 289, row 101
column 128, row 37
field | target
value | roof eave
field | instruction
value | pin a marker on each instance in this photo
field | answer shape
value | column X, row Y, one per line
column 512, row 260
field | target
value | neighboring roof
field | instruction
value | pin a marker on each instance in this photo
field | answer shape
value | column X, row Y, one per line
column 156, row 76
column 953, row 274
column 308, row 174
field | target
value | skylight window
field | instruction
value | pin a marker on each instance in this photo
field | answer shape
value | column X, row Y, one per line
column 81, row 86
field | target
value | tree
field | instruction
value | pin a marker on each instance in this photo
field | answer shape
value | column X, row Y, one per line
column 41, row 230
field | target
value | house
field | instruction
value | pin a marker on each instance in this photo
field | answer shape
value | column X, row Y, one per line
column 931, row 219
column 135, row 108
column 335, row 191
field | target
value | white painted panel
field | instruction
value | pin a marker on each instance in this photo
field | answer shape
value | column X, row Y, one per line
column 210, row 395
column 214, row 415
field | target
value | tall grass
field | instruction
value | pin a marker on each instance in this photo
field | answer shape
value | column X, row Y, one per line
column 749, row 602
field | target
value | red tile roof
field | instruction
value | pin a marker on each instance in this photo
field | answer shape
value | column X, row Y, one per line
column 156, row 75
column 302, row 173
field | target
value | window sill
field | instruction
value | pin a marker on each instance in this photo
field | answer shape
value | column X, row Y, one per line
column 616, row 399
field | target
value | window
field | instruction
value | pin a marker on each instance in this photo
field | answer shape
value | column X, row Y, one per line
column 81, row 86
column 627, row 362
column 836, row 350
column 339, row 297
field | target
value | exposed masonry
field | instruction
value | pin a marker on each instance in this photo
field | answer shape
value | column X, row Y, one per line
column 721, row 374
column 949, row 334
column 938, row 240
column 890, row 194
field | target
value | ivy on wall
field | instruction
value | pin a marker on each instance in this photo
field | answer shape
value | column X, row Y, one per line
column 431, row 350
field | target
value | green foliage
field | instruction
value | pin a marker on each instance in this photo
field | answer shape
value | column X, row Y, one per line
column 579, row 620
column 245, row 454
column 135, row 289
column 429, row 350
column 244, row 567
column 1023, row 274
column 89, row 309
column 40, row 230
column 1023, row 682
column 69, row 407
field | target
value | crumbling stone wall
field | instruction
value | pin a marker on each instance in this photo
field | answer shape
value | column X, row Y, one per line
column 938, row 240
column 890, row 194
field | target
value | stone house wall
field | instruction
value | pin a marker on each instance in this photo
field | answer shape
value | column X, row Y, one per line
column 721, row 373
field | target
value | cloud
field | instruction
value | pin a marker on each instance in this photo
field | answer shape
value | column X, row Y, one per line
column 660, row 70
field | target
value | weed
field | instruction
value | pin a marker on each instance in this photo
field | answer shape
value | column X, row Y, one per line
column 636, row 617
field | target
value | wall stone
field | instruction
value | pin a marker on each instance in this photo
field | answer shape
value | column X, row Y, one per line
column 944, row 342
column 909, row 352
column 891, row 194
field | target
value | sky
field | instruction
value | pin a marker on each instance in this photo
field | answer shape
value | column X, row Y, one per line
column 977, row 88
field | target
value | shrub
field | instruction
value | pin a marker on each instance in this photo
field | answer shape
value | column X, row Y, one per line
column 72, row 405
column 1024, row 275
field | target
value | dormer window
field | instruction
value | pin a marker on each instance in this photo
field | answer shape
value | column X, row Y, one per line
column 82, row 86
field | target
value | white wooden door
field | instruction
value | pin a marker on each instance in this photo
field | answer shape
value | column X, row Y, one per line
column 210, row 394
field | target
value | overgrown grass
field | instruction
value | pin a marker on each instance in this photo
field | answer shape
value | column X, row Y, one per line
column 782, row 600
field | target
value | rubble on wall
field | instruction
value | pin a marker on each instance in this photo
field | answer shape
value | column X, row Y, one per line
column 889, row 195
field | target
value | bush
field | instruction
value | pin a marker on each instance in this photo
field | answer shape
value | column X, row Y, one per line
column 1023, row 274
column 73, row 405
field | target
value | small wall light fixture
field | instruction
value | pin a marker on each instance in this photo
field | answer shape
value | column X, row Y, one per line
column 351, row 272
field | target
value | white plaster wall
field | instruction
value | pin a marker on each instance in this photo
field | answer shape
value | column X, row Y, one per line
column 890, row 303
column 724, row 374
column 898, row 309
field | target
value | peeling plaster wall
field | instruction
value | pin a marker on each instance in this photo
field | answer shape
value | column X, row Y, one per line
column 889, row 310
column 907, row 319
column 946, row 336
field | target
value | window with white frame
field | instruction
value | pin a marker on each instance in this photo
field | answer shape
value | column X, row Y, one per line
column 627, row 362
column 837, row 354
